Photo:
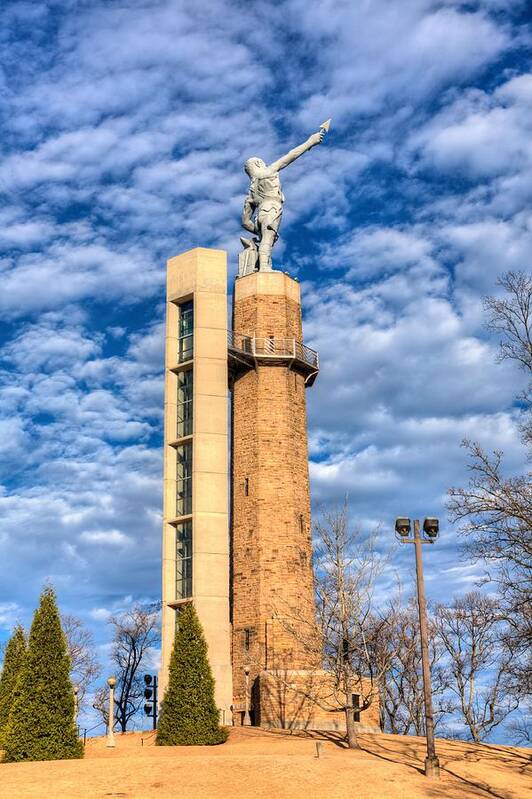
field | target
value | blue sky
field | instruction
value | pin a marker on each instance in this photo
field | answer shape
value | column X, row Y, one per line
column 125, row 126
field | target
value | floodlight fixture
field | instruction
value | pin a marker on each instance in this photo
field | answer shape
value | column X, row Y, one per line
column 431, row 527
column 402, row 526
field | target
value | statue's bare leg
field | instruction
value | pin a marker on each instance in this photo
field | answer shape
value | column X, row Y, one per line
column 265, row 250
column 269, row 222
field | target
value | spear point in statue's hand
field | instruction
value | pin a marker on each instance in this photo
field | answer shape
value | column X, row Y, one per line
column 318, row 137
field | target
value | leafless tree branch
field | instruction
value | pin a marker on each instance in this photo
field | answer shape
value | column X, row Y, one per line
column 479, row 662
column 135, row 633
column 343, row 642
column 85, row 668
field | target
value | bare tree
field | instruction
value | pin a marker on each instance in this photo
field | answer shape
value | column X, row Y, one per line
column 135, row 633
column 512, row 318
column 494, row 510
column 520, row 728
column 347, row 568
column 100, row 702
column 402, row 685
column 473, row 636
column 85, row 668
column 496, row 516
column 345, row 639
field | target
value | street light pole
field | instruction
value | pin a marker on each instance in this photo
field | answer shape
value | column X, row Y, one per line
column 247, row 717
column 432, row 764
column 111, row 682
column 76, row 703
column 430, row 530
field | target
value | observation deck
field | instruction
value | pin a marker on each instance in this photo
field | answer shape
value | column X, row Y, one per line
column 249, row 352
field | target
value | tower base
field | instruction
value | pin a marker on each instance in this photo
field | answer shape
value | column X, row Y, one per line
column 303, row 699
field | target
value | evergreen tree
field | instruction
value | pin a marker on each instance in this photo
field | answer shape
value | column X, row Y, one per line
column 13, row 661
column 189, row 715
column 41, row 724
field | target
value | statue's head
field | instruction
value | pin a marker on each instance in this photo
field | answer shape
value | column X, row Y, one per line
column 252, row 165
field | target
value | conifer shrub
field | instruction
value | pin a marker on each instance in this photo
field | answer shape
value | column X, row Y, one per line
column 13, row 660
column 41, row 723
column 189, row 715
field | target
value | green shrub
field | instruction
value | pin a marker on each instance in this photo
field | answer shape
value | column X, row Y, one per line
column 13, row 661
column 189, row 715
column 41, row 724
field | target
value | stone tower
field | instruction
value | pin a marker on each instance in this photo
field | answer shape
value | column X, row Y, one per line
column 251, row 582
column 271, row 548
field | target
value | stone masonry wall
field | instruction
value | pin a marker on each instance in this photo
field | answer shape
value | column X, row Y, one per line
column 307, row 700
column 272, row 581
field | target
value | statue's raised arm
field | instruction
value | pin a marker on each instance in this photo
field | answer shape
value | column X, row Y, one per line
column 263, row 206
column 290, row 157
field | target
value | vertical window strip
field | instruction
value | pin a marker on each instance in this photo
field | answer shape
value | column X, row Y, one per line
column 184, row 403
column 184, row 560
column 185, row 333
column 184, row 479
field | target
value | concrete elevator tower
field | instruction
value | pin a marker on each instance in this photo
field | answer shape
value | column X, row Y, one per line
column 195, row 543
column 271, row 548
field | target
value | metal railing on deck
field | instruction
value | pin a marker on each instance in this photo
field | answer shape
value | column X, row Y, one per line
column 272, row 347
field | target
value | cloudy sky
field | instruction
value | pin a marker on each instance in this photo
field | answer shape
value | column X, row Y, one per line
column 125, row 124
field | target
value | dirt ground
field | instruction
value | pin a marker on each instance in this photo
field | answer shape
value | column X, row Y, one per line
column 273, row 765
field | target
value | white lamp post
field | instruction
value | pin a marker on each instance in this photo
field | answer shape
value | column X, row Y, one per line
column 76, row 703
column 111, row 682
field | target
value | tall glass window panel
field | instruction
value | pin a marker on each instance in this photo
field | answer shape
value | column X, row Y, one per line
column 184, row 479
column 184, row 560
column 185, row 333
column 184, row 403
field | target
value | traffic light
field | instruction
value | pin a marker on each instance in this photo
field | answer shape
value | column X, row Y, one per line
column 150, row 694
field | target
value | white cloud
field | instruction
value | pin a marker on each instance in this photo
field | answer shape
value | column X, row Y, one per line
column 13, row 440
column 404, row 53
column 375, row 252
column 70, row 272
column 100, row 614
column 47, row 346
column 481, row 135
column 9, row 614
column 485, row 249
column 110, row 538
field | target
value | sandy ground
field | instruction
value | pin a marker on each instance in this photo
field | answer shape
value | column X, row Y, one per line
column 273, row 765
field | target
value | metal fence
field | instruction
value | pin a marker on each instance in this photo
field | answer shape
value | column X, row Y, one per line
column 272, row 347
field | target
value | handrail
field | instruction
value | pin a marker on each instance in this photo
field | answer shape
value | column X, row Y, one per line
column 272, row 347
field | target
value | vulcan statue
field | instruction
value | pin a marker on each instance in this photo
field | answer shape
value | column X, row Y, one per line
column 263, row 206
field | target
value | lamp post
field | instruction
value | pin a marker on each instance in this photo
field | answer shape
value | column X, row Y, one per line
column 430, row 533
column 247, row 717
column 76, row 703
column 111, row 682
